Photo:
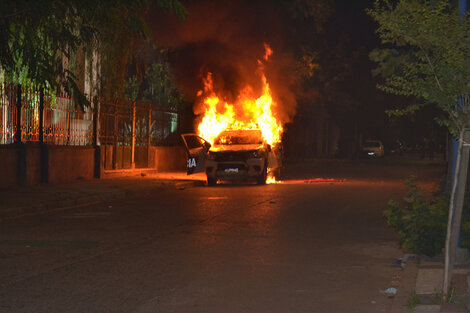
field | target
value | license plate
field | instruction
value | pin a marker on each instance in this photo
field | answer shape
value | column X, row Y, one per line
column 231, row 170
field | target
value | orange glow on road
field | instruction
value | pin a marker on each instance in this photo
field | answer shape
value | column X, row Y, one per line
column 272, row 180
column 315, row 180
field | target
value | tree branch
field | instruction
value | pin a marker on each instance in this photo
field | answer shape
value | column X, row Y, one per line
column 15, row 13
column 433, row 70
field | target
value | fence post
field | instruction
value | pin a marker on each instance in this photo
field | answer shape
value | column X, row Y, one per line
column 162, row 124
column 115, row 137
column 95, row 121
column 21, row 170
column 133, row 136
column 97, row 147
column 149, row 134
column 41, row 116
column 69, row 117
column 19, row 118
column 44, row 151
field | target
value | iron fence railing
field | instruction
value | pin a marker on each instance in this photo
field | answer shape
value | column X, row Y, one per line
column 52, row 119
column 153, row 125
column 65, row 124
column 29, row 115
column 8, row 126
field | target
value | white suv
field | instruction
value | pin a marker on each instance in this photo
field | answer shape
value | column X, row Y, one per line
column 235, row 155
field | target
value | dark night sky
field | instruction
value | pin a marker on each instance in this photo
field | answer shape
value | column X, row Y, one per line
column 226, row 38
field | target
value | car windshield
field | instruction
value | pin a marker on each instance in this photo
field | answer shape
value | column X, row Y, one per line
column 372, row 144
column 239, row 137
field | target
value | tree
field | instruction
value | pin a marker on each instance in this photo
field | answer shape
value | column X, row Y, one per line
column 160, row 87
column 336, row 65
column 157, row 85
column 40, row 37
column 427, row 58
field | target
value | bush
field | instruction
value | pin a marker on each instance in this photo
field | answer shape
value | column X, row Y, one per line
column 421, row 223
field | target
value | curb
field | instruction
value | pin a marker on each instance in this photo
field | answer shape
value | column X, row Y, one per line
column 92, row 199
column 429, row 286
column 189, row 184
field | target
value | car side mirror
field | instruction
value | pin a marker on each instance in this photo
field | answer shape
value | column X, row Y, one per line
column 207, row 145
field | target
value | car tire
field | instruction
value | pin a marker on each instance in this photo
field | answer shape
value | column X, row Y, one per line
column 263, row 176
column 211, row 181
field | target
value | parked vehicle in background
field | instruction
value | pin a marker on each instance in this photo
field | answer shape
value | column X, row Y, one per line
column 235, row 155
column 373, row 149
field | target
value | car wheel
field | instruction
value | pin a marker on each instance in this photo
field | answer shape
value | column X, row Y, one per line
column 211, row 181
column 263, row 176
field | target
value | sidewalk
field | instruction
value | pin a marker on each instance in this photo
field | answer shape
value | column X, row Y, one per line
column 420, row 290
column 32, row 200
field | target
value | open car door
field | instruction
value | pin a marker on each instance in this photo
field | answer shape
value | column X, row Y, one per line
column 274, row 158
column 196, row 149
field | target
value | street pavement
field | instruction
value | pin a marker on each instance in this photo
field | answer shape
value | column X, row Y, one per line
column 20, row 201
column 165, row 243
column 32, row 200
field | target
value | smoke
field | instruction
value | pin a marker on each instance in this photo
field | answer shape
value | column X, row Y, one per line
column 227, row 39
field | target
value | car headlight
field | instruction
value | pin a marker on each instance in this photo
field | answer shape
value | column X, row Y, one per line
column 257, row 153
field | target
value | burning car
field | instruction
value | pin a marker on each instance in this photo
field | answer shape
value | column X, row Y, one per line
column 237, row 137
column 240, row 154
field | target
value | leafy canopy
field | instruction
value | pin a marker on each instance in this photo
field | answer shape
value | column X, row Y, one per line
column 157, row 84
column 161, row 89
column 426, row 56
column 40, row 37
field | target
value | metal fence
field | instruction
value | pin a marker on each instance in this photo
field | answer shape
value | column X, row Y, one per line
column 29, row 115
column 8, row 111
column 116, row 124
column 52, row 119
column 120, row 122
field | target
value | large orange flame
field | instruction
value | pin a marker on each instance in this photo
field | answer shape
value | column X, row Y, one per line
column 256, row 111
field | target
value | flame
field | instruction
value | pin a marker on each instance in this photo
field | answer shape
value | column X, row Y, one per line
column 271, row 179
column 268, row 52
column 247, row 112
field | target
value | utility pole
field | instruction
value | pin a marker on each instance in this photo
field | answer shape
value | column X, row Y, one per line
column 460, row 168
column 455, row 144
column 462, row 8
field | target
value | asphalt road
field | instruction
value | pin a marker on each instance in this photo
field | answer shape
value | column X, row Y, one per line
column 293, row 247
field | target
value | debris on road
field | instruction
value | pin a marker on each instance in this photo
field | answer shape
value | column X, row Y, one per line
column 390, row 292
column 406, row 257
